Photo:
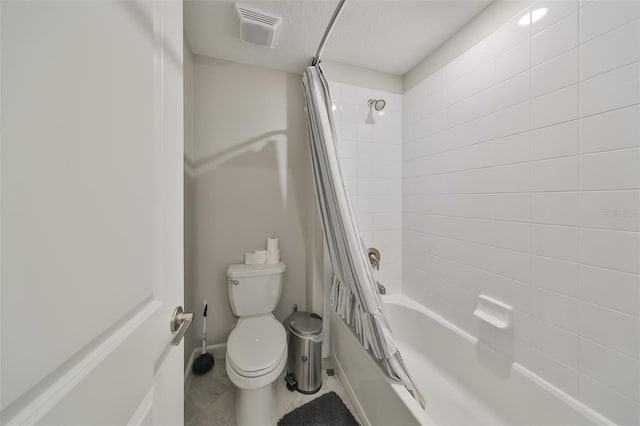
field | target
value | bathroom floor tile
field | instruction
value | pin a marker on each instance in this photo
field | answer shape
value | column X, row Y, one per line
column 210, row 399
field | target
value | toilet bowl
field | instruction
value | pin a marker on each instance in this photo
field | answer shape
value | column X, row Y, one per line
column 256, row 357
column 257, row 346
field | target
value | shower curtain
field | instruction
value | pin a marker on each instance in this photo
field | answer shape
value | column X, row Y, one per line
column 354, row 295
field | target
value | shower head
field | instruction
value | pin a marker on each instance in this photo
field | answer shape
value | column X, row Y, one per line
column 378, row 104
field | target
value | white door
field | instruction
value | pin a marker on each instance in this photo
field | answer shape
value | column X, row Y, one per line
column 91, row 212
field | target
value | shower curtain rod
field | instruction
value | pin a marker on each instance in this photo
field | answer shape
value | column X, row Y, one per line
column 327, row 32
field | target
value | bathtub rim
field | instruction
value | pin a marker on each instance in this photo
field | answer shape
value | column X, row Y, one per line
column 419, row 414
column 589, row 413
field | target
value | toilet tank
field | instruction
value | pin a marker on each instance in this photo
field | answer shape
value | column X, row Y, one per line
column 254, row 289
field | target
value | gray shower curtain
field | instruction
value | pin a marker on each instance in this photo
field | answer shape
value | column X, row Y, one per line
column 354, row 295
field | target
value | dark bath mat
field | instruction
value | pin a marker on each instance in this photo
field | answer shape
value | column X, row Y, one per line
column 325, row 410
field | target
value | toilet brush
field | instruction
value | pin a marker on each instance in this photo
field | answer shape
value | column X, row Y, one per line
column 204, row 362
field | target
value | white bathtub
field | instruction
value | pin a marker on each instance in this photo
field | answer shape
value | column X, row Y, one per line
column 465, row 382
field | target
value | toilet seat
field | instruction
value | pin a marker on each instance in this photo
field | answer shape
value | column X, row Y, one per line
column 249, row 383
column 256, row 346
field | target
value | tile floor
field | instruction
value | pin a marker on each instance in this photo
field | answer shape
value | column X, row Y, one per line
column 210, row 399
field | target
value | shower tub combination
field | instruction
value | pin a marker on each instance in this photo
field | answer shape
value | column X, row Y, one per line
column 464, row 382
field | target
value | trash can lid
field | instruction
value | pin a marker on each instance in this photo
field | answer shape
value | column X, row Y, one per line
column 305, row 323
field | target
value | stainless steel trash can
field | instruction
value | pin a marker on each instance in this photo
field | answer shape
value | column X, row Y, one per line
column 305, row 351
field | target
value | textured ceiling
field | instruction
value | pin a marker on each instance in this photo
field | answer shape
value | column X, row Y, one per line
column 389, row 36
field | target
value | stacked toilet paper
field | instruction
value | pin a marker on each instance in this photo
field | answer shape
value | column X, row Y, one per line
column 269, row 256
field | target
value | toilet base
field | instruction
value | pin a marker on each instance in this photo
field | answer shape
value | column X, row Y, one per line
column 256, row 406
column 256, row 400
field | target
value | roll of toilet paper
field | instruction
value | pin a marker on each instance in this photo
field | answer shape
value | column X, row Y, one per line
column 272, row 244
column 273, row 251
column 261, row 256
column 250, row 259
column 273, row 257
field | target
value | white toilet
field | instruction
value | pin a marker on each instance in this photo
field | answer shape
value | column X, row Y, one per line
column 257, row 346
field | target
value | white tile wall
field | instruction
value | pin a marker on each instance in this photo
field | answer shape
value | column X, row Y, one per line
column 598, row 17
column 616, row 129
column 371, row 160
column 560, row 71
column 560, row 140
column 555, row 107
column 611, row 90
column 557, row 39
column 521, row 180
column 556, row 10
column 598, row 56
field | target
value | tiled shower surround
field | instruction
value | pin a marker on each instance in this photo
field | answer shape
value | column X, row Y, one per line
column 371, row 160
column 521, row 170
column 518, row 178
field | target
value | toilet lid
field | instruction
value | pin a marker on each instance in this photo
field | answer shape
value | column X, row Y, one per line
column 256, row 345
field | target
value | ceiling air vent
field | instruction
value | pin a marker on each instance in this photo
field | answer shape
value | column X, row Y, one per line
column 257, row 27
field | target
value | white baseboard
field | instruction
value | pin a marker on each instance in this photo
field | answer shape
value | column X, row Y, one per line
column 219, row 352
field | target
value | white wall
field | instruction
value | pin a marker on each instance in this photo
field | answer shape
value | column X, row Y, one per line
column 362, row 77
column 521, row 165
column 251, row 181
column 371, row 160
